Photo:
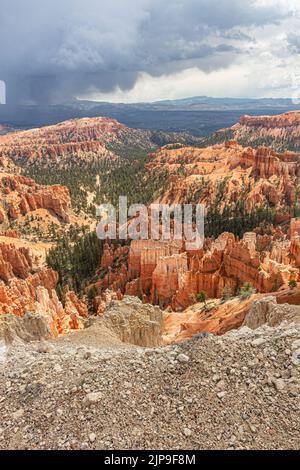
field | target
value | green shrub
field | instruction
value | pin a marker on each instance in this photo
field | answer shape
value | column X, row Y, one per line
column 292, row 284
column 246, row 291
column 227, row 294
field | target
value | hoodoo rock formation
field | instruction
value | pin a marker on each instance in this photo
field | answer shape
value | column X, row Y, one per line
column 164, row 274
column 22, row 290
column 225, row 172
column 20, row 196
column 226, row 176
column 14, row 262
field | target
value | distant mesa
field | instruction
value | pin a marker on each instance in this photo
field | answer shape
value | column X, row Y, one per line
column 81, row 140
column 280, row 132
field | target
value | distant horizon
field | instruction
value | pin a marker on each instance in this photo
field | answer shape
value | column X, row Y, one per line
column 191, row 97
column 162, row 101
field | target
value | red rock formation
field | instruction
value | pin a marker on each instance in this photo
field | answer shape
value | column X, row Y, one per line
column 268, row 163
column 286, row 120
column 295, row 228
column 279, row 132
column 144, row 256
column 70, row 141
column 20, row 195
column 76, row 136
column 103, row 300
column 12, row 234
column 110, row 255
column 74, row 310
column 3, row 215
column 222, row 317
column 8, row 166
column 162, row 273
column 180, row 326
column 262, row 176
column 114, row 280
column 21, row 291
column 14, row 262
column 166, row 278
column 295, row 249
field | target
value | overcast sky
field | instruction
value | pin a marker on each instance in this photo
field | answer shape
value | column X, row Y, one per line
column 146, row 50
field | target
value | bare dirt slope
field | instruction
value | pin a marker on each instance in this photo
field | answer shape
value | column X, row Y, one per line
column 238, row 391
column 96, row 336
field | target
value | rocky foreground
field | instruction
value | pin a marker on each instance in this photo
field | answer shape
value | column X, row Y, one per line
column 88, row 390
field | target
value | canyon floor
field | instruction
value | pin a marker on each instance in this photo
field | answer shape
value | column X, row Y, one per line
column 88, row 390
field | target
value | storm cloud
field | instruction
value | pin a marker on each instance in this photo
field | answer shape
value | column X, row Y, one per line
column 52, row 50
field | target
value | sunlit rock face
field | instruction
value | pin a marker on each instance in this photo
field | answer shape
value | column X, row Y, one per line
column 279, row 132
column 22, row 291
column 60, row 141
column 284, row 121
column 72, row 142
column 20, row 196
column 226, row 172
column 164, row 273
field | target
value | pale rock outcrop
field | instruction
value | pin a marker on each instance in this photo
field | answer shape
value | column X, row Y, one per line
column 31, row 327
column 267, row 311
column 105, row 298
column 135, row 322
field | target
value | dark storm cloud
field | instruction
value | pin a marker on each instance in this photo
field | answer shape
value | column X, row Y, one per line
column 60, row 48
